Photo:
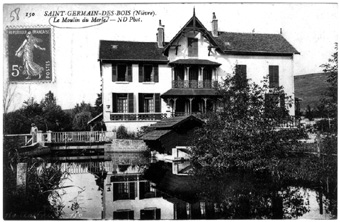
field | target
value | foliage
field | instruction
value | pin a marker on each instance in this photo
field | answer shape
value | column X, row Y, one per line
column 80, row 121
column 330, row 100
column 122, row 133
column 42, row 183
column 98, row 105
column 47, row 115
column 243, row 140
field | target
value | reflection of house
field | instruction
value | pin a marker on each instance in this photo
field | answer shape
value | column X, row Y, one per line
column 144, row 82
column 127, row 195
column 171, row 132
column 182, row 191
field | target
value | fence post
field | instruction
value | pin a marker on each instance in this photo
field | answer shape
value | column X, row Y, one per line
column 21, row 176
column 49, row 136
column 39, row 136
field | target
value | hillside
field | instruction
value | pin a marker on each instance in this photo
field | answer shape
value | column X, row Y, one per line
column 310, row 88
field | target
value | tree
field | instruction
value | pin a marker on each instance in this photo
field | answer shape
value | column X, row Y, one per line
column 80, row 121
column 98, row 105
column 330, row 100
column 243, row 140
column 55, row 118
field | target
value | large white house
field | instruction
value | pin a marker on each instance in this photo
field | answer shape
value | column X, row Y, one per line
column 144, row 82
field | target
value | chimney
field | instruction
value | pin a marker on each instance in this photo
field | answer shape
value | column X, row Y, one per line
column 214, row 26
column 281, row 31
column 160, row 35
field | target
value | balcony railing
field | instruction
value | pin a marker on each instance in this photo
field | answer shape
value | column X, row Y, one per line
column 137, row 116
column 195, row 84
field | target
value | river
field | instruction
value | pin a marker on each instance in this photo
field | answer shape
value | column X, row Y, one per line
column 131, row 186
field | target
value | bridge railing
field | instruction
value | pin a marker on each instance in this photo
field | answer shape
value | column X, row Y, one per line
column 63, row 137
column 87, row 136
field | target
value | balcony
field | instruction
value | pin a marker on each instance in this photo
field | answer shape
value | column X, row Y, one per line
column 137, row 116
column 194, row 84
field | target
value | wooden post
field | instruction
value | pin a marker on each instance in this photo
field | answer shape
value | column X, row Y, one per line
column 174, row 106
column 21, row 176
column 205, row 105
column 49, row 136
column 190, row 105
column 39, row 137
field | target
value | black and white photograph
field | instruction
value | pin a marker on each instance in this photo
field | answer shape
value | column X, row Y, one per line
column 170, row 110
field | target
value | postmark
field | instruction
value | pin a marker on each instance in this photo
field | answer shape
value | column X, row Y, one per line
column 29, row 54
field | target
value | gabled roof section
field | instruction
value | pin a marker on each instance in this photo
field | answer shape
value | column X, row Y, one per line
column 254, row 43
column 170, row 123
column 155, row 135
column 131, row 51
column 193, row 24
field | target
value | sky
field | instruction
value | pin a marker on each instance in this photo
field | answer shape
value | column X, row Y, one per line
column 312, row 28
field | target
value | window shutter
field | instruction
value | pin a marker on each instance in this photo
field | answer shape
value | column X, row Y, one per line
column 158, row 214
column 141, row 102
column 132, row 190
column 115, row 191
column 114, row 102
column 129, row 79
column 114, row 72
column 142, row 190
column 273, row 76
column 155, row 73
column 157, row 103
column 130, row 100
column 140, row 70
column 131, row 215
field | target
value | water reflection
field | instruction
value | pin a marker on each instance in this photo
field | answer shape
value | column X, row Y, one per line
column 132, row 186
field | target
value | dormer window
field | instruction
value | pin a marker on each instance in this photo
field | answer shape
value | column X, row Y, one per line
column 192, row 47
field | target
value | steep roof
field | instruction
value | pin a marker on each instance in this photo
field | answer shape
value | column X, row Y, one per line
column 131, row 51
column 194, row 24
column 250, row 43
column 238, row 43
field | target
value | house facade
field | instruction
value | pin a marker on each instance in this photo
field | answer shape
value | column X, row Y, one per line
column 144, row 82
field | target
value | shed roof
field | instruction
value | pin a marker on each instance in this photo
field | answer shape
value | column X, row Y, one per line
column 154, row 135
column 135, row 51
column 174, row 121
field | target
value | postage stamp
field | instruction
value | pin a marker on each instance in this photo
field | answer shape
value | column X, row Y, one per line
column 29, row 54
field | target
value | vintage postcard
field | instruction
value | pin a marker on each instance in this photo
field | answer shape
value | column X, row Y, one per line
column 171, row 111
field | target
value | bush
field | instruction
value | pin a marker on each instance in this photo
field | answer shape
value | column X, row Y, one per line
column 122, row 133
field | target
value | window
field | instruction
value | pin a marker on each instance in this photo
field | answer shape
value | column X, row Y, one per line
column 149, row 103
column 241, row 75
column 148, row 73
column 123, row 214
column 122, row 103
column 121, row 73
column 192, row 47
column 273, row 76
column 150, row 214
column 124, row 191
